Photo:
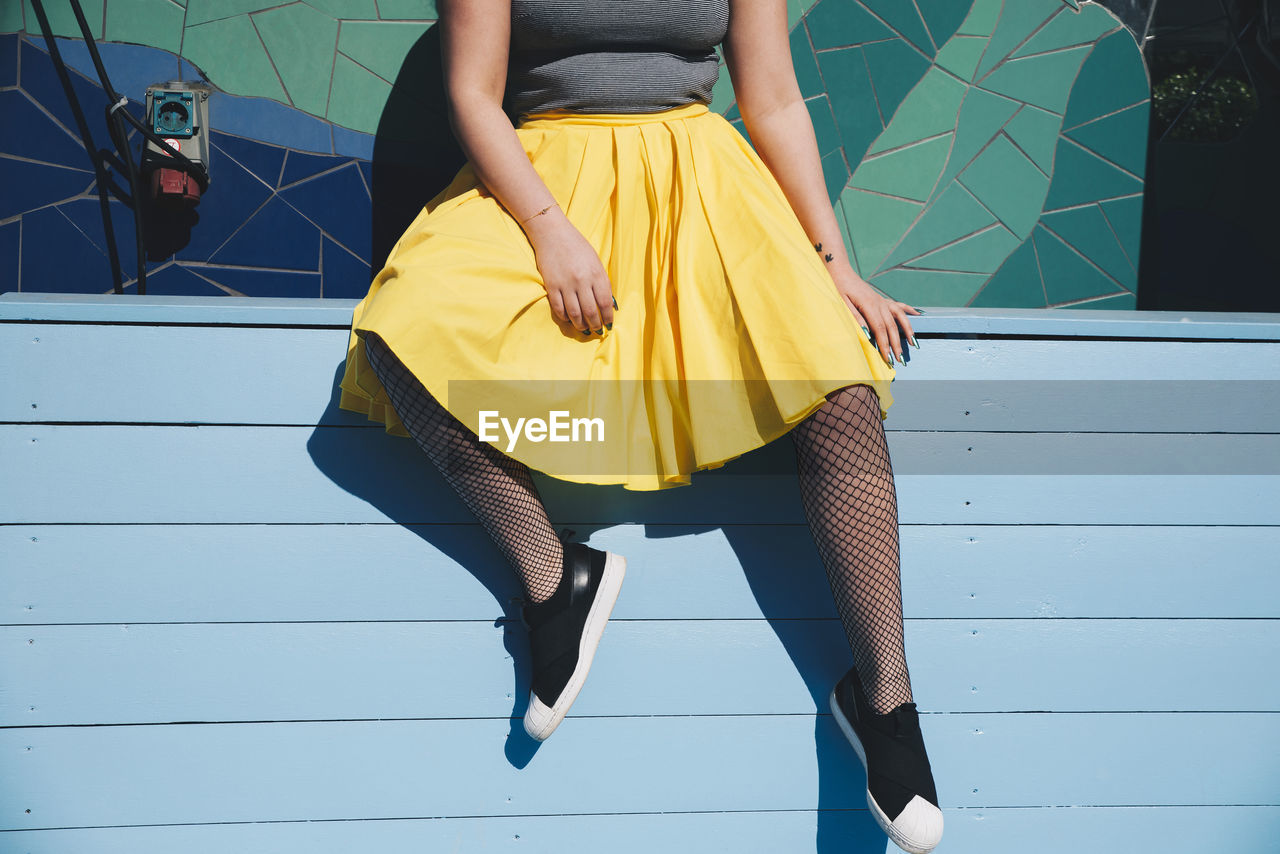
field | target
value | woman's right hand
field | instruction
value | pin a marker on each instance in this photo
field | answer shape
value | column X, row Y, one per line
column 578, row 288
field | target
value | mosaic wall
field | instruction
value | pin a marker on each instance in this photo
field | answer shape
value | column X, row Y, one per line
column 984, row 153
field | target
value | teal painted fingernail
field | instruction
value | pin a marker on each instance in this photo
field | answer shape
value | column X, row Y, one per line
column 615, row 302
column 915, row 344
column 866, row 330
column 609, row 326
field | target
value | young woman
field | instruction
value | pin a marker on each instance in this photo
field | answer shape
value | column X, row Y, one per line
column 615, row 250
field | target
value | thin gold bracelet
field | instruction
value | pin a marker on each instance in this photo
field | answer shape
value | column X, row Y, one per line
column 539, row 213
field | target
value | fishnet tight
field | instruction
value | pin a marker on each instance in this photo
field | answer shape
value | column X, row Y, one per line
column 497, row 489
column 846, row 484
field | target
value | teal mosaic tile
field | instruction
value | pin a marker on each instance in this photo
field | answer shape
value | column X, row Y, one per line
column 360, row 10
column 380, row 47
column 1119, row 302
column 358, row 96
column 722, row 92
column 1043, row 80
column 982, row 18
column 232, row 47
column 1120, row 137
column 839, row 23
column 1112, row 79
column 10, row 17
column 930, row 109
column 408, row 10
column 1069, row 28
column 1016, row 22
column 1009, row 184
column 824, row 126
column 876, row 224
column 942, row 17
column 981, row 117
column 852, row 102
column 61, row 19
column 1086, row 229
column 983, row 252
column 1125, row 217
column 1016, row 284
column 930, row 287
column 807, row 76
column 301, row 42
column 909, row 173
column 954, row 214
column 1092, row 178
column 961, row 56
column 1068, row 276
column 895, row 70
column 203, row 11
column 155, row 23
column 1036, row 132
column 905, row 20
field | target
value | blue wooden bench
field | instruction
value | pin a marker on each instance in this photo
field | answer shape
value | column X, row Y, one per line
column 239, row 619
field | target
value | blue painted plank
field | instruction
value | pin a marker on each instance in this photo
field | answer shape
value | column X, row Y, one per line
column 125, row 674
column 189, row 773
column 264, row 573
column 330, row 474
column 237, row 375
column 1169, row 830
column 966, row 321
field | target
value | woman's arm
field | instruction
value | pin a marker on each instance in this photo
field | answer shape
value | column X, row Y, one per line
column 475, row 39
column 758, row 55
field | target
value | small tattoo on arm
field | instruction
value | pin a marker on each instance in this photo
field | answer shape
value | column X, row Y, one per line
column 827, row 257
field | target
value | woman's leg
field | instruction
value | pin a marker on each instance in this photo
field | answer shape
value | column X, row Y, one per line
column 496, row 488
column 846, row 482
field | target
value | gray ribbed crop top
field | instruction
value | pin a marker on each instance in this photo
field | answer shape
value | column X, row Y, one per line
column 612, row 56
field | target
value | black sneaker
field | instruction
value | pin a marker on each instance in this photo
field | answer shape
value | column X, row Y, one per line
column 900, row 790
column 565, row 630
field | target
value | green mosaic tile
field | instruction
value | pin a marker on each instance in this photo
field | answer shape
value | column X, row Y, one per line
column 1070, row 28
column 10, row 17
column 155, row 23
column 824, row 126
column 359, row 10
column 408, row 10
column 876, row 224
column 722, row 96
column 806, row 66
column 981, row 117
column 1125, row 216
column 909, row 173
column 1092, row 178
column 843, row 222
column 380, row 46
column 1068, row 276
column 930, row 109
column 961, row 55
column 357, row 98
column 301, row 41
column 61, row 19
column 1036, row 132
column 1043, row 80
column 837, row 23
column 1119, row 302
column 930, row 287
column 942, row 17
column 1112, row 79
column 982, row 19
column 954, row 214
column 1086, row 229
column 1016, row 284
column 895, row 70
column 852, row 101
column 1009, row 184
column 834, row 173
column 233, row 58
column 1120, row 138
column 796, row 10
column 203, row 11
column 1017, row 21
column 983, row 252
column 905, row 19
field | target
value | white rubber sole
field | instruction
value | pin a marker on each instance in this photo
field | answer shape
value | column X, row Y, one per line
column 540, row 720
column 922, row 817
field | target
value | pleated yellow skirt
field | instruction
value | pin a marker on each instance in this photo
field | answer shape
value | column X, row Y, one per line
column 729, row 329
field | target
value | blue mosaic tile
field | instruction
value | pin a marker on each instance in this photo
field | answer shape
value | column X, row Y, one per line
column 366, row 169
column 234, row 194
column 176, row 280
column 339, row 204
column 261, row 159
column 9, row 237
column 27, row 131
column 352, row 143
column 28, row 186
column 86, row 214
column 277, row 237
column 131, row 68
column 345, row 275
column 299, row 166
column 265, row 283
column 58, row 258
column 9, row 60
column 268, row 121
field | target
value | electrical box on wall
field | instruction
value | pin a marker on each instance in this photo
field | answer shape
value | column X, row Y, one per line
column 178, row 112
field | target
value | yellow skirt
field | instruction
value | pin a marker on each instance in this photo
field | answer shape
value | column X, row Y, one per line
column 729, row 329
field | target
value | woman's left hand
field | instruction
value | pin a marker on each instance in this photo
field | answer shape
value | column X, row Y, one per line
column 883, row 316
